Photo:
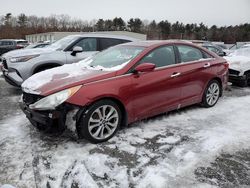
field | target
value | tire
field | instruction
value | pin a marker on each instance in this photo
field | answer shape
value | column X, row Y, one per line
column 100, row 121
column 248, row 79
column 211, row 94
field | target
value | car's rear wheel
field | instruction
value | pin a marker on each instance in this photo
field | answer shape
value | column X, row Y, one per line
column 100, row 122
column 211, row 94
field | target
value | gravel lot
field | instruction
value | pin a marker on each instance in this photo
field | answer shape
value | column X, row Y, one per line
column 192, row 147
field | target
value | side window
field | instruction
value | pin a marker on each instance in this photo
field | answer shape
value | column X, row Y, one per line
column 206, row 55
column 213, row 49
column 87, row 44
column 188, row 53
column 108, row 42
column 7, row 43
column 162, row 56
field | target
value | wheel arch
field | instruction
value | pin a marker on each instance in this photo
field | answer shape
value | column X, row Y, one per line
column 46, row 65
column 117, row 101
column 220, row 84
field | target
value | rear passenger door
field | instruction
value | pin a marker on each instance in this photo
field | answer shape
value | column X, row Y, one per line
column 196, row 71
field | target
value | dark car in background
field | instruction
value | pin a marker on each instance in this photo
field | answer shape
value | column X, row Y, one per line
column 214, row 48
column 11, row 44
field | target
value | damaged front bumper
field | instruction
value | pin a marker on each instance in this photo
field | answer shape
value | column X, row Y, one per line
column 52, row 120
column 238, row 80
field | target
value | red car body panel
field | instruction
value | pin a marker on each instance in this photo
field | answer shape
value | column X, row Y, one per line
column 149, row 93
column 63, row 81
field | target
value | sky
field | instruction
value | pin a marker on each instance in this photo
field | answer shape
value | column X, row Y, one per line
column 210, row 12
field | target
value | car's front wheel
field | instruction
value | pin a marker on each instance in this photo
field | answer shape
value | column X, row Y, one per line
column 211, row 94
column 100, row 122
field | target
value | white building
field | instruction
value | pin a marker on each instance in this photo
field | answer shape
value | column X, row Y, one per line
column 53, row 36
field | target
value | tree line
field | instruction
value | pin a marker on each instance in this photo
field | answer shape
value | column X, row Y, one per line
column 21, row 25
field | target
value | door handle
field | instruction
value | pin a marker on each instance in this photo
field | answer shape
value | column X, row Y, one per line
column 206, row 65
column 175, row 74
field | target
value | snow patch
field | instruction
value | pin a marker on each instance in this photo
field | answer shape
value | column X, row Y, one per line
column 115, row 68
column 38, row 80
column 239, row 60
column 239, row 63
column 169, row 140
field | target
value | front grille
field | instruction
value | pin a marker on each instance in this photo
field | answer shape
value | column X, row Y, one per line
column 5, row 64
column 233, row 72
column 30, row 98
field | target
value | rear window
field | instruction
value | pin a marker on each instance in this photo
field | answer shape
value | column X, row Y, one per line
column 22, row 42
column 108, row 42
column 189, row 53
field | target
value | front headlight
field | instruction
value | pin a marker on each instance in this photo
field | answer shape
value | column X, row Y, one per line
column 22, row 58
column 52, row 101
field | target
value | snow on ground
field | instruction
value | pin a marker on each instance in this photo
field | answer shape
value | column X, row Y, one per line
column 160, row 152
column 16, row 155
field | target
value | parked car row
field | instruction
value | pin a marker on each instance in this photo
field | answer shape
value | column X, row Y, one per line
column 11, row 44
column 127, row 81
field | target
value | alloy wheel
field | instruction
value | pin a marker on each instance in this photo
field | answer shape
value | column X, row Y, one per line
column 103, row 122
column 213, row 93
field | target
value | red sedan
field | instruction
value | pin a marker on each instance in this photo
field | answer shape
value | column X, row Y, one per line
column 123, row 84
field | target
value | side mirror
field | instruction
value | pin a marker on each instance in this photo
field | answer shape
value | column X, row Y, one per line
column 76, row 49
column 144, row 67
column 221, row 53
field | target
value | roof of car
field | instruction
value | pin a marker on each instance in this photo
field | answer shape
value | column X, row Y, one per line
column 13, row 40
column 106, row 36
column 149, row 43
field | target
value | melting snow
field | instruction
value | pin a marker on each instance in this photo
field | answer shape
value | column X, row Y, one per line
column 239, row 60
column 42, row 78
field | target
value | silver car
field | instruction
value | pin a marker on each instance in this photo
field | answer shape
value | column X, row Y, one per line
column 18, row 65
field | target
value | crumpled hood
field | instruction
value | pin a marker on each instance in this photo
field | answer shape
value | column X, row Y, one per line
column 239, row 63
column 25, row 52
column 59, row 78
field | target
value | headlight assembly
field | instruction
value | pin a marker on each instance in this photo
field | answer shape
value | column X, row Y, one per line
column 52, row 101
column 22, row 58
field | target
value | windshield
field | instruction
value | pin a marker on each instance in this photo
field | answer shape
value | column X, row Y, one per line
column 62, row 43
column 113, row 58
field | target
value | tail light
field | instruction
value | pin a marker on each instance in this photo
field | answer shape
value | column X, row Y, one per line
column 19, row 46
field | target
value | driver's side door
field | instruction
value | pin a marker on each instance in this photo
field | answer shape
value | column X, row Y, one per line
column 89, row 46
column 156, row 91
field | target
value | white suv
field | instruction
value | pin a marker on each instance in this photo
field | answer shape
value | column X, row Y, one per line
column 18, row 65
